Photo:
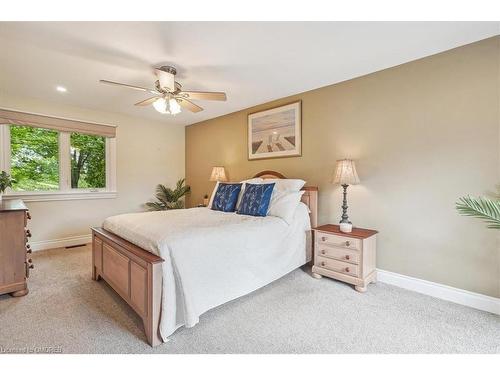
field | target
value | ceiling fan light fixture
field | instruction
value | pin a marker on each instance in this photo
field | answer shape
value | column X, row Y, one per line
column 165, row 106
column 173, row 107
column 160, row 105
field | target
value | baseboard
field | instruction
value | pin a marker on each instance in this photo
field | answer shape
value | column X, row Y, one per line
column 448, row 293
column 61, row 242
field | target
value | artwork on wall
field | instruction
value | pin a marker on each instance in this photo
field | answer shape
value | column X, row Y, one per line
column 275, row 132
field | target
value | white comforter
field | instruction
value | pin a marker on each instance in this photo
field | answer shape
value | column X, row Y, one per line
column 212, row 257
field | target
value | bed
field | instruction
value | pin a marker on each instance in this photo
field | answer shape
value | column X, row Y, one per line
column 172, row 266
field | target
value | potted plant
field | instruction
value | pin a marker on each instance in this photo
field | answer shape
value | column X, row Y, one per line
column 5, row 182
column 169, row 199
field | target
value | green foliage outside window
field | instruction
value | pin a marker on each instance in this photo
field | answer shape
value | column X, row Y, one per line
column 34, row 158
column 88, row 161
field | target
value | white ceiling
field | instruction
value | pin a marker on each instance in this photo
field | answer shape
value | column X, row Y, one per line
column 253, row 62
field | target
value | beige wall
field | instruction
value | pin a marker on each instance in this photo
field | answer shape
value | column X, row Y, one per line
column 147, row 153
column 423, row 134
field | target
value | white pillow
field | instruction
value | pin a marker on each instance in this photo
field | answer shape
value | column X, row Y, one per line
column 283, row 186
column 286, row 184
column 251, row 180
column 284, row 204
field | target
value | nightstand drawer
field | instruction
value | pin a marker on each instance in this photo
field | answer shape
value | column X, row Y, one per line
column 346, row 255
column 339, row 241
column 337, row 266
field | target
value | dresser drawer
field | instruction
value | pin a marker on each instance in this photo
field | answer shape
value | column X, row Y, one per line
column 340, row 241
column 344, row 254
column 337, row 266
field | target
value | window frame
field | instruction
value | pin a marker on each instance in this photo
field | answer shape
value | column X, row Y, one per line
column 65, row 191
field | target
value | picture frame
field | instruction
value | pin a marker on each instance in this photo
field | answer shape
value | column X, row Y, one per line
column 275, row 132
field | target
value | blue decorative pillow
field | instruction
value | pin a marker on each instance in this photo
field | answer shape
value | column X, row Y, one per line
column 256, row 198
column 226, row 197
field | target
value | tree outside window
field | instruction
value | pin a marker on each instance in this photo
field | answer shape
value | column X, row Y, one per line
column 34, row 158
column 88, row 161
column 35, row 163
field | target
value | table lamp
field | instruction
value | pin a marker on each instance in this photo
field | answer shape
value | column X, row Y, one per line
column 218, row 174
column 345, row 175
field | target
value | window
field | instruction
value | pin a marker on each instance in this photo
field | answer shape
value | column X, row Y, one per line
column 34, row 159
column 88, row 161
column 51, row 163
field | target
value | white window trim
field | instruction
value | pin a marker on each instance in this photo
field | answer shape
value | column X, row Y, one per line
column 65, row 191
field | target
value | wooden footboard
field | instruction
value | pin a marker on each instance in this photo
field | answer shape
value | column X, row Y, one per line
column 134, row 273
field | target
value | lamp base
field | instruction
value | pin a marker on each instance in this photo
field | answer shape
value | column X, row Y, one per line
column 346, row 227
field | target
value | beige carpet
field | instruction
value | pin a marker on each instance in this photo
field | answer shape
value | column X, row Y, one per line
column 68, row 312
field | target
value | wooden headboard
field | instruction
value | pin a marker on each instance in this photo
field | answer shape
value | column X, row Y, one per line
column 309, row 198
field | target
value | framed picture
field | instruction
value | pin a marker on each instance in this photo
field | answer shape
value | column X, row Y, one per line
column 276, row 132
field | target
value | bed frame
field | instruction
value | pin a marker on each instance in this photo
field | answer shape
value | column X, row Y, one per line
column 136, row 274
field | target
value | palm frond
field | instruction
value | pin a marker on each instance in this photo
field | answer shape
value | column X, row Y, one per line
column 155, row 206
column 485, row 209
column 175, row 205
column 164, row 193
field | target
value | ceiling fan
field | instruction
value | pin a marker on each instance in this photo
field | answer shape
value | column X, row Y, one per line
column 168, row 94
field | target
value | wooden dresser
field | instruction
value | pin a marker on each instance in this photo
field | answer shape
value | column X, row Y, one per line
column 348, row 257
column 15, row 262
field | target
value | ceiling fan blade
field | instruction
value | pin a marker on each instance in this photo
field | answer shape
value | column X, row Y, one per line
column 190, row 106
column 203, row 95
column 128, row 86
column 148, row 101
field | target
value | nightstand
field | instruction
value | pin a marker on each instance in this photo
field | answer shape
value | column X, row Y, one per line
column 348, row 257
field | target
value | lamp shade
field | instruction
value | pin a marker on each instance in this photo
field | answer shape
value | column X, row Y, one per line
column 218, row 174
column 345, row 173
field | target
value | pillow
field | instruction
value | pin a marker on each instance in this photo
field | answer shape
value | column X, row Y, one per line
column 285, row 204
column 257, row 180
column 213, row 194
column 287, row 184
column 255, row 200
column 251, row 180
column 226, row 197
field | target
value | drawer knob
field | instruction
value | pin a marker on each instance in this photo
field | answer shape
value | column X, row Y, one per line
column 347, row 243
column 347, row 269
column 28, row 215
column 347, row 257
column 323, row 252
column 28, row 233
column 28, row 249
column 323, row 238
column 323, row 264
column 29, row 266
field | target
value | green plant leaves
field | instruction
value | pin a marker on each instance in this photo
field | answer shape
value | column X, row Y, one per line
column 485, row 209
column 169, row 199
column 5, row 181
